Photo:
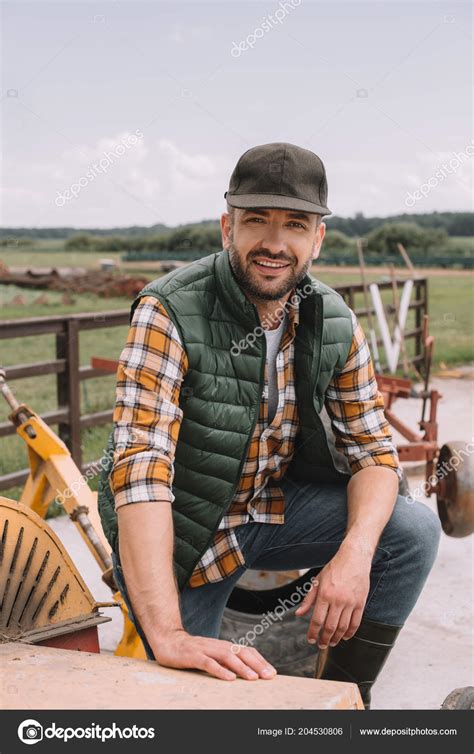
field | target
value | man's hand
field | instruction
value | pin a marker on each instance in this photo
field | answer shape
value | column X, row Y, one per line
column 340, row 590
column 221, row 659
column 339, row 594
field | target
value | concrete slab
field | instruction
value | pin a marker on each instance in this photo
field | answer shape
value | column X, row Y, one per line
column 81, row 680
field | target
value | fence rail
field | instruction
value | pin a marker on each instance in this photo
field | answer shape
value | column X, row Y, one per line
column 70, row 373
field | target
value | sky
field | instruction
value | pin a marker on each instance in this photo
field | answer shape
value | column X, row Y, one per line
column 135, row 113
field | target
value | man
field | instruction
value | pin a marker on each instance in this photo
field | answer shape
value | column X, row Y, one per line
column 221, row 458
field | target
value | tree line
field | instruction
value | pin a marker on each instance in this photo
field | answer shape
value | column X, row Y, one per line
column 453, row 223
column 426, row 246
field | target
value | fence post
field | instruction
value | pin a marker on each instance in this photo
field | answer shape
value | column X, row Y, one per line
column 421, row 290
column 351, row 298
column 68, row 390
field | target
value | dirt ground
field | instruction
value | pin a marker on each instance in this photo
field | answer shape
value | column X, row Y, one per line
column 434, row 653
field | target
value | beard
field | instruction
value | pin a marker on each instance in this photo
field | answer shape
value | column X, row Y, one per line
column 269, row 291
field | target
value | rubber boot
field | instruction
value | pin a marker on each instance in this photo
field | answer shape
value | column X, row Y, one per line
column 359, row 659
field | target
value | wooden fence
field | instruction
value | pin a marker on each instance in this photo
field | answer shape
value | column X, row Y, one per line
column 70, row 373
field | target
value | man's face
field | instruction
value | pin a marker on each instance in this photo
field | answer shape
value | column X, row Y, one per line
column 271, row 250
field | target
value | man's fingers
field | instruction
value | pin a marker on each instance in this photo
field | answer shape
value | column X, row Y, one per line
column 330, row 626
column 309, row 599
column 211, row 666
column 245, row 662
column 221, row 659
column 238, row 666
column 344, row 623
column 317, row 620
column 354, row 624
column 251, row 657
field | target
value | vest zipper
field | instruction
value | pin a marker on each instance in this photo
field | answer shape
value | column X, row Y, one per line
column 244, row 456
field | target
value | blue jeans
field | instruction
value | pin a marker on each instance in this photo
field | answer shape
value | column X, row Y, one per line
column 315, row 524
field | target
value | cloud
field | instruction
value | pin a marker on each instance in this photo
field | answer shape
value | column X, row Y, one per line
column 182, row 34
column 376, row 187
column 181, row 169
column 149, row 182
column 159, row 180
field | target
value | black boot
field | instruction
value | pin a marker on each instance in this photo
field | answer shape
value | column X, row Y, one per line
column 360, row 659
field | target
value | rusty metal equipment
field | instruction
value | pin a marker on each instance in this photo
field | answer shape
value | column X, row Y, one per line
column 42, row 596
column 54, row 475
column 455, row 489
column 449, row 470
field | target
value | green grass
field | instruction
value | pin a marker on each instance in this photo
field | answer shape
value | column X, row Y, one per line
column 462, row 242
column 52, row 254
column 451, row 321
column 40, row 393
column 450, row 309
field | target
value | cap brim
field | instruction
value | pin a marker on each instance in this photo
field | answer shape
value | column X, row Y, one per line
column 274, row 201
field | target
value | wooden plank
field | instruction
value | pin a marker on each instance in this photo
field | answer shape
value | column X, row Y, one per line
column 89, row 373
column 17, row 328
column 47, row 678
column 20, row 328
column 103, row 319
column 19, row 371
column 97, row 419
column 13, row 479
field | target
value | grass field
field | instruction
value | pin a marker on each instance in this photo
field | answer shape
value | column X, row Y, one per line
column 450, row 307
column 451, row 321
column 46, row 255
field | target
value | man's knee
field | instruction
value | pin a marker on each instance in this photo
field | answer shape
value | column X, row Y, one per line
column 420, row 527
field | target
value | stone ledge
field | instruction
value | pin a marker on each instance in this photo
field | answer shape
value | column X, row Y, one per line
column 45, row 678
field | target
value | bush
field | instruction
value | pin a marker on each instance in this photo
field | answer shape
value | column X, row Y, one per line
column 80, row 242
column 13, row 243
column 384, row 239
column 338, row 241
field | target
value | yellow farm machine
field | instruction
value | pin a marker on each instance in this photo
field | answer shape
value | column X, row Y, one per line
column 43, row 597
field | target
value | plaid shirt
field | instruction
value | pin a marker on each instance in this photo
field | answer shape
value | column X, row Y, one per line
column 147, row 419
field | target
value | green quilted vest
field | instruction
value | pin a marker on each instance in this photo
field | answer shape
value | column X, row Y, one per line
column 221, row 393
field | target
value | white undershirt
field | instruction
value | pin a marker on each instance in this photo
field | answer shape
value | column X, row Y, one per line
column 273, row 344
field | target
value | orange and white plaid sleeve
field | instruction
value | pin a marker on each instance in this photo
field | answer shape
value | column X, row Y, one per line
column 356, row 408
column 147, row 416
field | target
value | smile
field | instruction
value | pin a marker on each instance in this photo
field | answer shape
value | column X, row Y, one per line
column 274, row 265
